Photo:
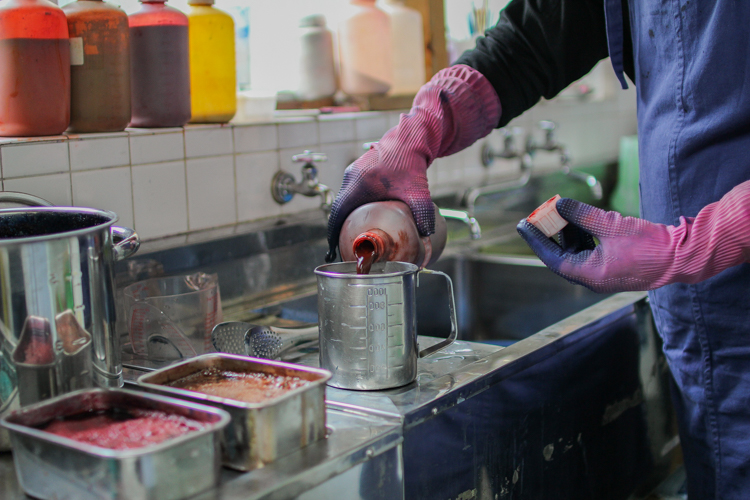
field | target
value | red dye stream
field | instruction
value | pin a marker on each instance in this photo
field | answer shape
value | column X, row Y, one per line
column 123, row 430
column 366, row 256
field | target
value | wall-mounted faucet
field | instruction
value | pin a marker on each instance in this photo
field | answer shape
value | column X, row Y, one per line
column 551, row 144
column 284, row 186
column 474, row 230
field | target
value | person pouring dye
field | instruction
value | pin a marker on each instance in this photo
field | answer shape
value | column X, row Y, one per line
column 691, row 249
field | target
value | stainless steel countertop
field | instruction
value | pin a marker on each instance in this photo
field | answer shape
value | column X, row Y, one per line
column 353, row 438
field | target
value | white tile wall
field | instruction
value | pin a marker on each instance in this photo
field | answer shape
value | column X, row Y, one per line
column 252, row 138
column 106, row 189
column 160, row 199
column 87, row 154
column 54, row 188
column 254, row 174
column 210, row 192
column 208, row 140
column 34, row 158
column 149, row 147
column 168, row 182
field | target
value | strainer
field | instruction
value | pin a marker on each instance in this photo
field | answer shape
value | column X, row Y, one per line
column 268, row 342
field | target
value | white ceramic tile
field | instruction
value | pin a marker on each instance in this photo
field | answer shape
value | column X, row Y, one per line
column 295, row 134
column 54, row 188
column 394, row 117
column 208, row 141
column 334, row 129
column 155, row 147
column 89, row 153
column 210, row 190
column 331, row 173
column 107, row 189
column 36, row 158
column 159, row 199
column 252, row 138
column 299, row 203
column 371, row 126
column 254, row 173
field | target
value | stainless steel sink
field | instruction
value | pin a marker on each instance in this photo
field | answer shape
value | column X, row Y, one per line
column 499, row 299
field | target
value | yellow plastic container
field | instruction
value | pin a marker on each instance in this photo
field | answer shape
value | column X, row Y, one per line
column 213, row 76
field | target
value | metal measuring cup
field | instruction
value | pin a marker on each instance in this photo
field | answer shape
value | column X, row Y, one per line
column 368, row 324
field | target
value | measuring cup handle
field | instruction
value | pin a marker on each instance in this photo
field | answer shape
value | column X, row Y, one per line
column 452, row 308
column 126, row 242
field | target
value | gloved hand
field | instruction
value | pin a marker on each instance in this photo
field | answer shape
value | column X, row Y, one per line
column 634, row 254
column 454, row 109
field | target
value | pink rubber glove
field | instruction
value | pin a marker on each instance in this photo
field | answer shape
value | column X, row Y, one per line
column 453, row 110
column 634, row 254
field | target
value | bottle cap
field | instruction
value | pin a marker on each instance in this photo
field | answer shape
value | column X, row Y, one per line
column 200, row 2
column 546, row 218
column 314, row 20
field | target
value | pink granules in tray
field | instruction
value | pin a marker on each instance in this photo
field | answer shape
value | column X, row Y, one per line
column 123, row 429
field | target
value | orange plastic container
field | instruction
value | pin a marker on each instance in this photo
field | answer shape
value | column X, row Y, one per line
column 34, row 69
column 100, row 75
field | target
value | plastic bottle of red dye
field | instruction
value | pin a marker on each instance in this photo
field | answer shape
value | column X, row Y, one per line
column 100, row 71
column 386, row 231
column 34, row 69
column 159, row 66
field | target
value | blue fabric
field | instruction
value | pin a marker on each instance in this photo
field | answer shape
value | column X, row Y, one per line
column 692, row 61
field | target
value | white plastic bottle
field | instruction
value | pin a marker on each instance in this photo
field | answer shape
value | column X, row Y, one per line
column 365, row 62
column 317, row 70
column 407, row 48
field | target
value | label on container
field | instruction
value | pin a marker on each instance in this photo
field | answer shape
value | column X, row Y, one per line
column 76, row 51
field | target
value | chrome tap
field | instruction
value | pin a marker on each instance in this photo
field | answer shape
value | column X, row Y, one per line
column 461, row 216
column 284, row 186
column 488, row 155
column 551, row 144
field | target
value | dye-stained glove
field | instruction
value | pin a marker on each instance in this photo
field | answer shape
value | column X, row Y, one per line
column 634, row 254
column 454, row 109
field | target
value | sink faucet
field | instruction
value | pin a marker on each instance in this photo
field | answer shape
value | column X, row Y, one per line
column 284, row 186
column 461, row 216
column 550, row 144
column 509, row 151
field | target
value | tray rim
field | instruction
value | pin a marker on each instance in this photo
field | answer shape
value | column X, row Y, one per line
column 107, row 453
column 143, row 381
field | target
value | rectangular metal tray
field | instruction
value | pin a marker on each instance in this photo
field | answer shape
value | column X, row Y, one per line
column 54, row 467
column 259, row 433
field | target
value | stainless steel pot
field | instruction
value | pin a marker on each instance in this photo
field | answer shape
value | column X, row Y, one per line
column 368, row 324
column 57, row 307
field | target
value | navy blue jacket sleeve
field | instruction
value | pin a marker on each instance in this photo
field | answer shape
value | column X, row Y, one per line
column 539, row 47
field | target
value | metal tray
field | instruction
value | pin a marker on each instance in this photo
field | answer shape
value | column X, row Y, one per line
column 54, row 467
column 260, row 432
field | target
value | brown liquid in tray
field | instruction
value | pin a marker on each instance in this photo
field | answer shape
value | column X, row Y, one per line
column 248, row 387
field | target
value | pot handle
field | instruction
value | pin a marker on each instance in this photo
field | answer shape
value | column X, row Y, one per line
column 125, row 242
column 452, row 308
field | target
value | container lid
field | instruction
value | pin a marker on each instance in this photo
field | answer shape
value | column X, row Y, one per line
column 200, row 2
column 314, row 20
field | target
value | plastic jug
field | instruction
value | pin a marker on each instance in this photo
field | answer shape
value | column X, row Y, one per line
column 317, row 69
column 159, row 66
column 34, row 69
column 386, row 231
column 407, row 48
column 213, row 76
column 366, row 65
column 100, row 71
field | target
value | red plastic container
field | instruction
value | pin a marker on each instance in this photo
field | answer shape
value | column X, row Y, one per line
column 160, row 66
column 34, row 69
column 100, row 78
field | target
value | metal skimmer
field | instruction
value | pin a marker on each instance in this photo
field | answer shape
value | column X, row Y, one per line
column 261, row 341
